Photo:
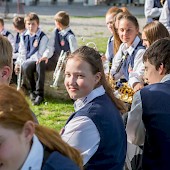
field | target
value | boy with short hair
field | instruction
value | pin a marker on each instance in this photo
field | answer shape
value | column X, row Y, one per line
column 63, row 39
column 149, row 117
column 35, row 42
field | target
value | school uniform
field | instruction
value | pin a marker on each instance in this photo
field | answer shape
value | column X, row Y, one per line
column 152, row 10
column 132, row 67
column 96, row 129
column 35, row 46
column 55, row 161
column 60, row 40
column 148, row 124
column 9, row 36
column 109, row 50
column 165, row 15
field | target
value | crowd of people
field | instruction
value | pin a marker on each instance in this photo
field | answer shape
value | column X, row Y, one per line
column 95, row 136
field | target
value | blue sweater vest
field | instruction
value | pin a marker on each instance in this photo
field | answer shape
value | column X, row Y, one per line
column 157, row 4
column 111, row 152
column 110, row 49
column 29, row 43
column 156, row 118
column 17, row 41
column 61, row 42
column 129, row 61
column 6, row 34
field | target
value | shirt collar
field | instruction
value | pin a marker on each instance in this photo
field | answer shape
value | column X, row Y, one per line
column 80, row 103
column 63, row 32
column 132, row 47
column 165, row 78
column 37, row 33
column 3, row 32
column 35, row 157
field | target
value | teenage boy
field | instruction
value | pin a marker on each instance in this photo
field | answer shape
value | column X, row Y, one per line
column 35, row 43
column 148, row 120
column 62, row 39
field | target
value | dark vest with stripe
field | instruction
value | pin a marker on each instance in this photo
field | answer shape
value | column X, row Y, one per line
column 129, row 61
column 157, row 4
column 156, row 118
column 17, row 41
column 110, row 49
column 29, row 43
column 61, row 42
column 6, row 34
column 111, row 152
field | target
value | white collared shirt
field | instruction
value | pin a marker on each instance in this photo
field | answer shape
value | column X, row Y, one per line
column 35, row 156
column 42, row 45
column 51, row 44
column 81, row 132
column 135, row 128
column 138, row 70
column 165, row 16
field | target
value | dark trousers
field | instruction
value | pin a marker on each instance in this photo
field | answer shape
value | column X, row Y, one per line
column 35, row 82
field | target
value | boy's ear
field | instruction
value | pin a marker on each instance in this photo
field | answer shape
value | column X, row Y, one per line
column 5, row 74
column 161, row 69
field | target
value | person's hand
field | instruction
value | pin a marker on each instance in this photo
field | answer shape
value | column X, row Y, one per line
column 42, row 59
column 17, row 69
column 137, row 86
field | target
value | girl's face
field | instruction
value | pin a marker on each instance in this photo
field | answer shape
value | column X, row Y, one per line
column 127, row 31
column 79, row 80
column 110, row 22
column 13, row 149
column 145, row 40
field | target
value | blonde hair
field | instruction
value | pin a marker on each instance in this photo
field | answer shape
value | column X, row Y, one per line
column 63, row 18
column 14, row 115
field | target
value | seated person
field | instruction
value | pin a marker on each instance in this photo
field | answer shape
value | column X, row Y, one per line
column 26, row 145
column 96, row 128
column 148, row 120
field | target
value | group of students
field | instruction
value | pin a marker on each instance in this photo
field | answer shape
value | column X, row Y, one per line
column 96, row 128
column 34, row 52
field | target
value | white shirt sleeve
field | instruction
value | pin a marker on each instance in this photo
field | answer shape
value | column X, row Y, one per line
column 12, row 41
column 50, row 46
column 82, row 134
column 165, row 16
column 115, row 63
column 42, row 48
column 138, row 70
column 135, row 128
column 72, row 43
column 150, row 11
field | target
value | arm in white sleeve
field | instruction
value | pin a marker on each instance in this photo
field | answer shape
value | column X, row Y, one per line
column 150, row 11
column 165, row 16
column 50, row 46
column 135, row 128
column 72, row 43
column 12, row 41
column 82, row 134
column 42, row 48
column 115, row 63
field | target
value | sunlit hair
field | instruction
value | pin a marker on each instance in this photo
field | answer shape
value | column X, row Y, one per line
column 93, row 58
column 63, row 18
column 5, row 52
column 15, row 112
column 154, row 31
column 32, row 17
column 159, row 53
column 113, row 10
column 125, row 10
column 18, row 22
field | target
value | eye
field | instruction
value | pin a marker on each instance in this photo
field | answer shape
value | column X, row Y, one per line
column 67, row 75
column 80, row 76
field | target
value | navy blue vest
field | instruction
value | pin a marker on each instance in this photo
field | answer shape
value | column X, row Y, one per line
column 129, row 61
column 156, row 118
column 168, row 4
column 6, row 34
column 110, row 49
column 157, row 4
column 61, row 42
column 29, row 43
column 111, row 152
column 17, row 41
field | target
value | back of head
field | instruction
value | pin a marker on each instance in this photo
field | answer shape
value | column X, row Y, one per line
column 2, row 21
column 18, row 22
column 32, row 17
column 125, row 10
column 154, row 31
column 5, row 52
column 159, row 53
column 63, row 18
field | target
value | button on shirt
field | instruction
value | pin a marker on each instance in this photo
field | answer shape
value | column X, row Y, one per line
column 136, row 74
column 81, row 133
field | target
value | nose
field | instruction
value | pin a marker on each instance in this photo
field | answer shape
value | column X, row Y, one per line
column 71, row 80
